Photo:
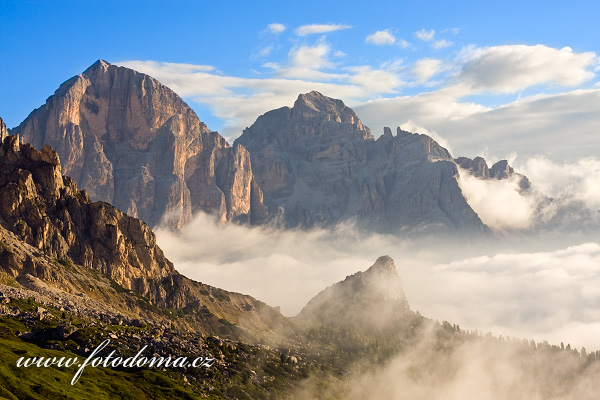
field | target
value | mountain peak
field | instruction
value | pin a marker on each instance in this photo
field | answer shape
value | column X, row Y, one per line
column 133, row 142
column 318, row 102
column 98, row 65
column 384, row 267
column 316, row 106
column 374, row 297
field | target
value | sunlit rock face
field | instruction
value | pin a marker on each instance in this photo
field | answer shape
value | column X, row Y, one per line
column 320, row 165
column 129, row 140
column 3, row 130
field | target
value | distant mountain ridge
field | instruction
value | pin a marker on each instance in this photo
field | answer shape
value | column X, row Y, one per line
column 129, row 140
column 318, row 163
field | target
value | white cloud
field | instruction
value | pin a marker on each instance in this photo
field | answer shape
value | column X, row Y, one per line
column 306, row 62
column 276, row 28
column 265, row 51
column 426, row 68
column 425, row 35
column 578, row 181
column 498, row 203
column 510, row 68
column 430, row 110
column 272, row 65
column 441, row 44
column 454, row 31
column 473, row 369
column 403, row 44
column 538, row 293
column 314, row 57
column 382, row 80
column 305, row 30
column 563, row 196
column 381, row 38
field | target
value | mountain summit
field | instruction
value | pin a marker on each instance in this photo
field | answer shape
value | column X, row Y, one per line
column 129, row 140
column 374, row 298
column 319, row 164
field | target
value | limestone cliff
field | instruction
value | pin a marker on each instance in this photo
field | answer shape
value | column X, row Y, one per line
column 51, row 217
column 319, row 164
column 129, row 140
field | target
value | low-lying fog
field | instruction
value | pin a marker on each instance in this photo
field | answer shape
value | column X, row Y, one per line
column 542, row 288
column 543, row 284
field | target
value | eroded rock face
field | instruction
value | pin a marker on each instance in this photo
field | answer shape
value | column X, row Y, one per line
column 319, row 164
column 129, row 140
column 46, row 210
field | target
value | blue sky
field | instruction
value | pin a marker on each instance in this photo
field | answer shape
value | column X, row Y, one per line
column 435, row 66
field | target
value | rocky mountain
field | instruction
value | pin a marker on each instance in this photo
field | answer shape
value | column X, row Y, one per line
column 374, row 298
column 51, row 231
column 129, row 140
column 320, row 165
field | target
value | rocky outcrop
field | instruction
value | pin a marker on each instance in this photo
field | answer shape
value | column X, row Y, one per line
column 47, row 210
column 319, row 164
column 3, row 130
column 55, row 221
column 500, row 170
column 129, row 140
column 373, row 298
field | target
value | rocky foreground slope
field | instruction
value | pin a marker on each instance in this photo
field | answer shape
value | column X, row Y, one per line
column 51, row 231
column 130, row 141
